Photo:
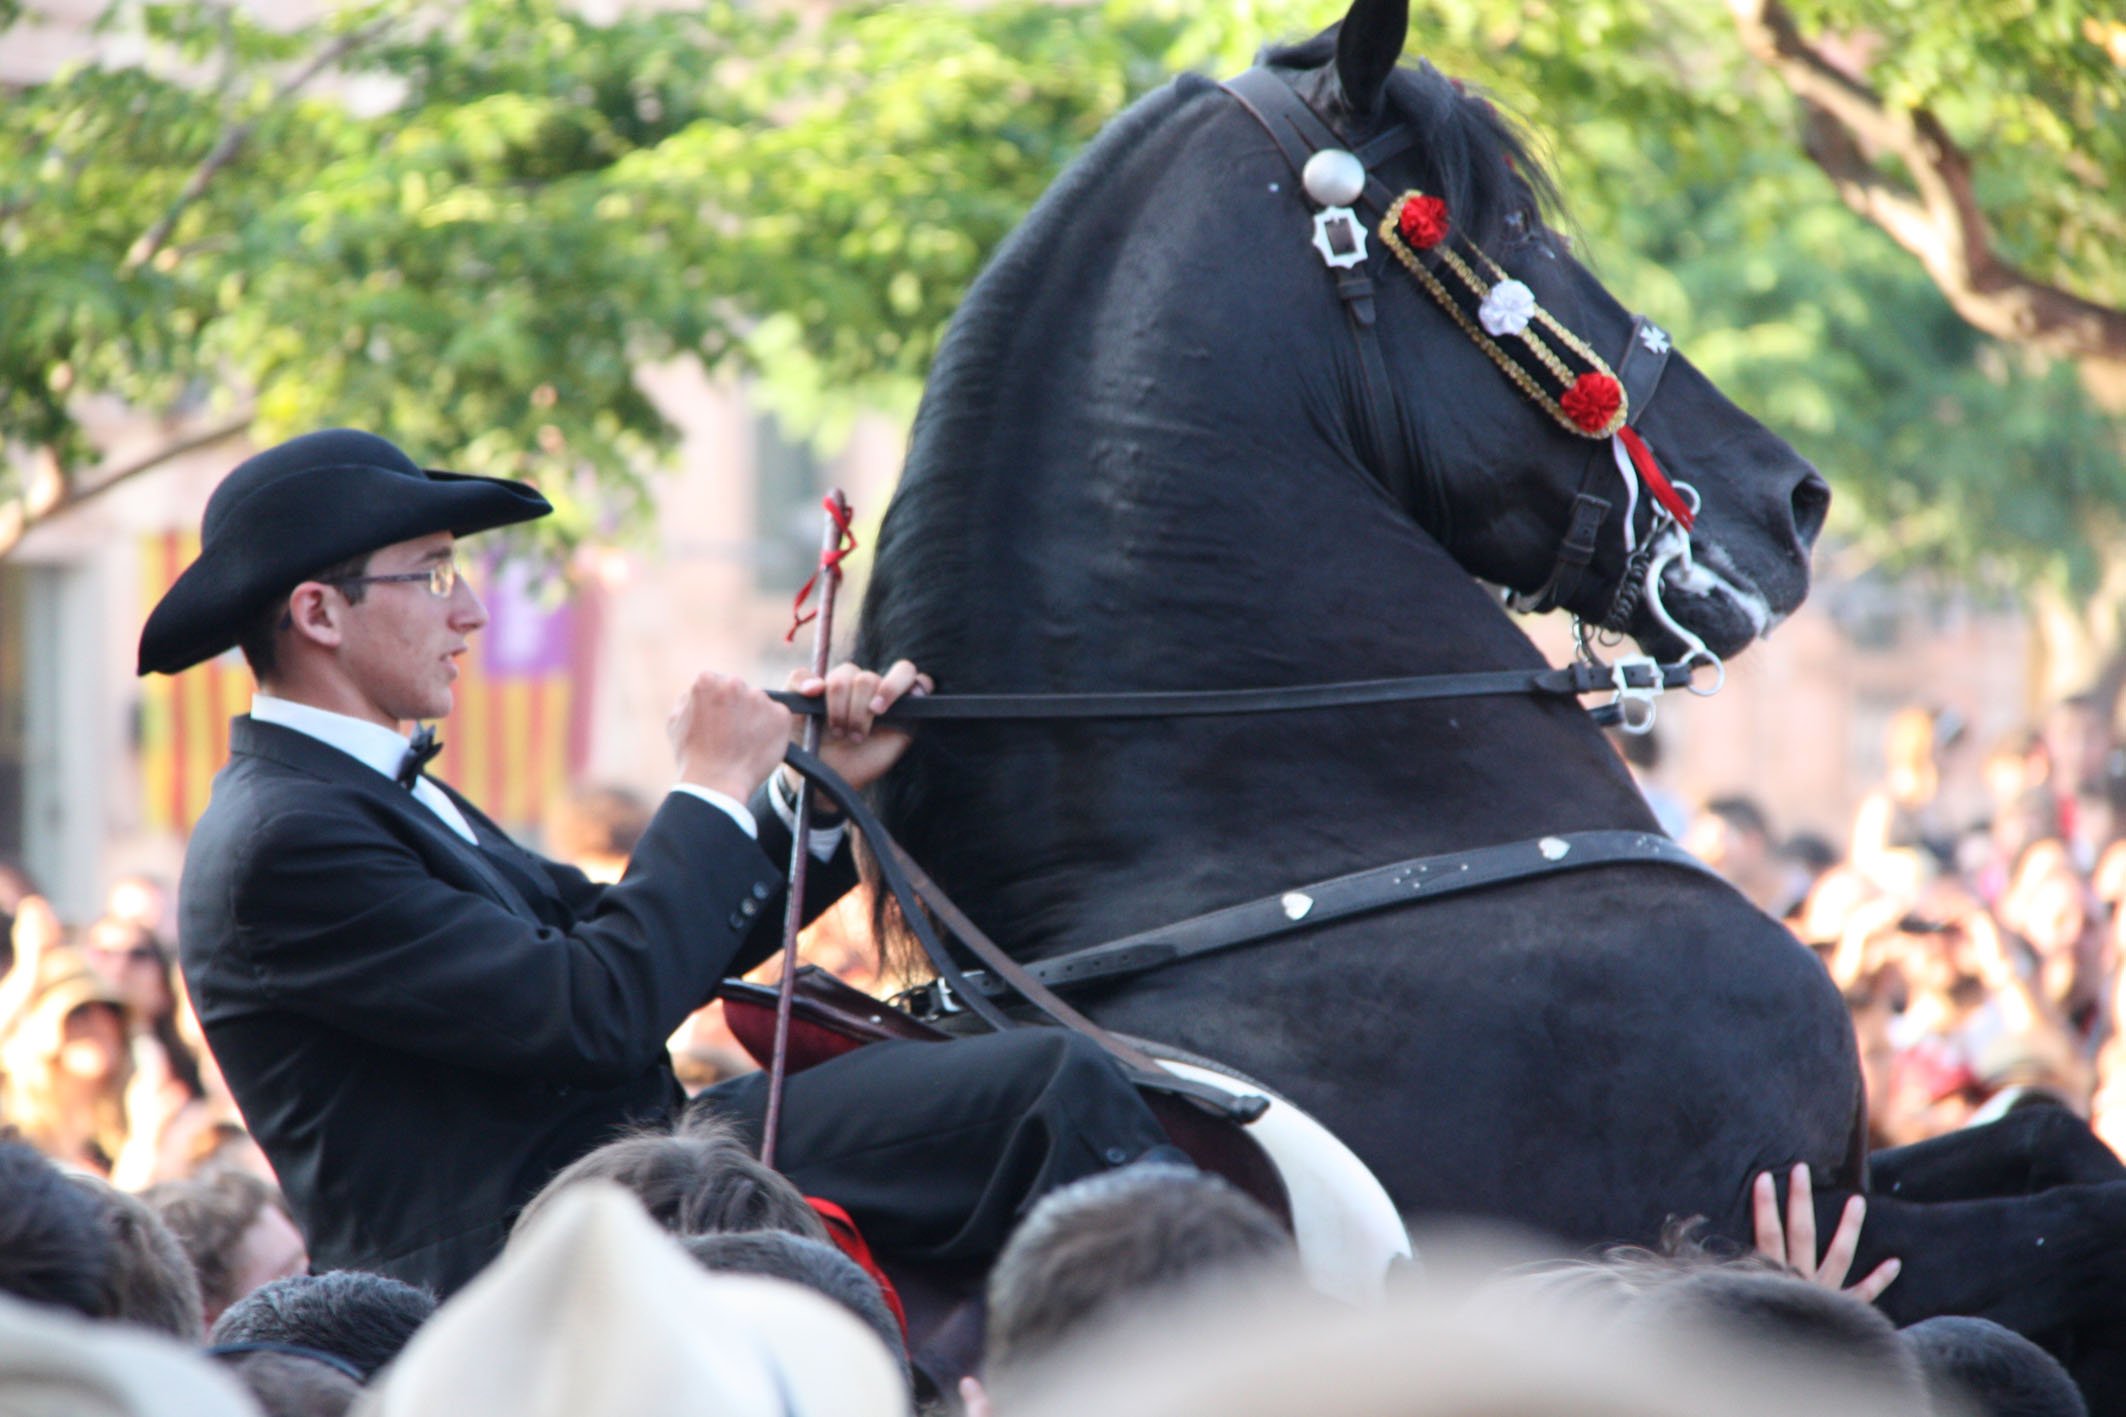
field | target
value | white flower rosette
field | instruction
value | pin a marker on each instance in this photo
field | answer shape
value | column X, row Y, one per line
column 1507, row 309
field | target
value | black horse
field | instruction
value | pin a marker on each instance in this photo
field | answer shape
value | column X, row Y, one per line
column 1144, row 462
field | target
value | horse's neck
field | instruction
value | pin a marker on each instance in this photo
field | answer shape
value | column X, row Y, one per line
column 1209, row 582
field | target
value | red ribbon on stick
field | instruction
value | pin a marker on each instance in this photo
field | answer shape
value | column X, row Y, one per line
column 830, row 563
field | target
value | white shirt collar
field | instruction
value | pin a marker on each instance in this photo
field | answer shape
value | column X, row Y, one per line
column 370, row 743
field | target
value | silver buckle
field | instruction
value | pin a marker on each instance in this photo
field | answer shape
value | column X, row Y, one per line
column 1635, row 702
column 926, row 1003
column 1340, row 237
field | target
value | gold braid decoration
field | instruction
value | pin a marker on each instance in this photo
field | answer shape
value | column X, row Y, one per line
column 1391, row 233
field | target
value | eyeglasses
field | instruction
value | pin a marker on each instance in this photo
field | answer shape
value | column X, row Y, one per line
column 441, row 579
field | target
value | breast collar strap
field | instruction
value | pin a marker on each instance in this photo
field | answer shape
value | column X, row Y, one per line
column 1299, row 133
column 1419, row 879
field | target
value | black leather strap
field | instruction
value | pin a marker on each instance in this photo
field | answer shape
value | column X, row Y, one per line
column 1576, row 552
column 1299, row 133
column 1645, row 361
column 1421, row 878
column 1568, row 682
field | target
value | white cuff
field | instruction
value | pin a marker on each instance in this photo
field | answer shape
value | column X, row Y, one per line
column 822, row 842
column 725, row 803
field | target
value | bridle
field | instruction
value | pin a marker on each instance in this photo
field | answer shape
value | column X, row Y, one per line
column 1334, row 174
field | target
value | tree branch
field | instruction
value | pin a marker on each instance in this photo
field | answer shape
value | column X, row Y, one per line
column 16, row 520
column 231, row 143
column 1935, row 215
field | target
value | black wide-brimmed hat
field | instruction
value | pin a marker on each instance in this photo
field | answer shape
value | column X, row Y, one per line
column 295, row 509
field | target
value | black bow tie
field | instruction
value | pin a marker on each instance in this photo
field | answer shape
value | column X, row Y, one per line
column 419, row 753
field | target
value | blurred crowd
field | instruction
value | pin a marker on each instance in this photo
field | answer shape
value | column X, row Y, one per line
column 669, row 1272
column 1975, row 933
column 102, row 1064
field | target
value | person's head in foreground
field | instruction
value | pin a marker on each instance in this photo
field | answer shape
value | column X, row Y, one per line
column 58, row 1364
column 1992, row 1371
column 55, row 1245
column 290, row 1382
column 595, row 1312
column 799, row 1259
column 1090, row 1253
column 360, row 1318
column 237, row 1230
column 150, row 1281
column 696, row 1177
column 1427, row 1351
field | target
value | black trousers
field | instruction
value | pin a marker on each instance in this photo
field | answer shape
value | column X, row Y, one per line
column 937, row 1149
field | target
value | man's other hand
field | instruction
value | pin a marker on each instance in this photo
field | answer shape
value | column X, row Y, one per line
column 726, row 735
column 850, row 742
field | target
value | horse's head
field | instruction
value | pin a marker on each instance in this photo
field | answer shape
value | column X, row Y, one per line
column 1503, row 358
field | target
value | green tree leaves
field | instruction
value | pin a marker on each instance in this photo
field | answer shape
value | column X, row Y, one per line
column 471, row 224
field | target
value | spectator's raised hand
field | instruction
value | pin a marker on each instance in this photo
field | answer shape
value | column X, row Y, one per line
column 1794, row 1243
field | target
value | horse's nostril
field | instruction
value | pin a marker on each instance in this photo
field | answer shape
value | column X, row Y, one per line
column 1812, row 503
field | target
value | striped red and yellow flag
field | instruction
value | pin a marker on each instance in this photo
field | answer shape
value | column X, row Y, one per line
column 184, row 718
column 518, row 735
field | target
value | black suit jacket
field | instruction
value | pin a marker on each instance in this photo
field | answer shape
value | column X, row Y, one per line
column 419, row 1031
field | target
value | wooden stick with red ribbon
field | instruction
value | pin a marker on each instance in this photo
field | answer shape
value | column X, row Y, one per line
column 836, row 542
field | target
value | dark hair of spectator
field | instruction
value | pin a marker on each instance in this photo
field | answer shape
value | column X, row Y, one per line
column 258, row 641
column 815, row 1264
column 55, row 1245
column 1831, row 1333
column 289, row 1383
column 150, row 1281
column 1741, row 813
column 1994, row 1371
column 210, row 1214
column 1142, row 1232
column 1811, row 851
column 697, row 1178
column 363, row 1318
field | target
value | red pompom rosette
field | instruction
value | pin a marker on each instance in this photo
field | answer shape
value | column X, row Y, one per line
column 1592, row 402
column 1423, row 221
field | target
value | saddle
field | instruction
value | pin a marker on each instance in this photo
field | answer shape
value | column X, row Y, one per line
column 829, row 1018
column 1347, row 1230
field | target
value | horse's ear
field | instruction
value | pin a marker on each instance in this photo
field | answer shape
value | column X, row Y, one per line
column 1368, row 43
